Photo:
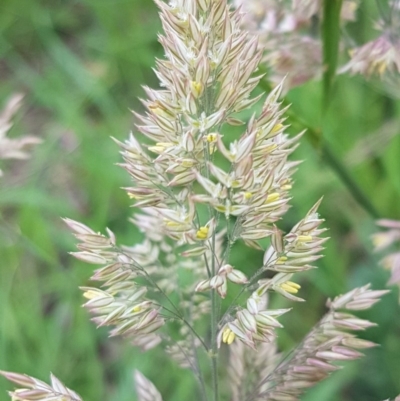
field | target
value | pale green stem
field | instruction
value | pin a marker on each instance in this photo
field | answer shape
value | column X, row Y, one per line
column 191, row 328
column 195, row 369
column 244, row 288
column 178, row 312
column 214, row 350
column 200, row 376
column 196, row 355
column 213, row 295
column 214, row 323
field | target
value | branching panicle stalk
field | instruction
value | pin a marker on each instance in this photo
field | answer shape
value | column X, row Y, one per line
column 200, row 190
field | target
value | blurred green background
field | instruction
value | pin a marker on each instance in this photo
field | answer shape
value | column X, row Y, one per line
column 81, row 65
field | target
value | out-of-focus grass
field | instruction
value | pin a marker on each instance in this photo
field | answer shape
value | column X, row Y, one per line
column 81, row 64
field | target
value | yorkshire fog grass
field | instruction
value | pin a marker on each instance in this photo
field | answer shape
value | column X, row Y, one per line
column 218, row 270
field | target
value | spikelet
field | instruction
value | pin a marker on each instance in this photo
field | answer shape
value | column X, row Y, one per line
column 32, row 389
column 14, row 148
column 328, row 344
column 145, row 389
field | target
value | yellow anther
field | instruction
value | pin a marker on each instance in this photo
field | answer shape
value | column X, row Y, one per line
column 381, row 66
column 211, row 138
column 90, row 294
column 231, row 338
column 158, row 109
column 272, row 197
column 228, row 336
column 379, row 239
column 165, row 144
column 137, row 308
column 156, row 149
column 286, row 187
column 197, row 88
column 281, row 260
column 276, row 128
column 270, row 148
column 290, row 287
column 247, row 195
column 160, row 147
column 202, row 233
column 304, row 238
column 170, row 223
column 222, row 209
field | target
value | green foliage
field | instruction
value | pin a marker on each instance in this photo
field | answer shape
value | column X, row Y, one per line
column 80, row 64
